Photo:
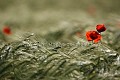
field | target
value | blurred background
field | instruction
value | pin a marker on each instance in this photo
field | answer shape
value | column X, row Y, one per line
column 44, row 16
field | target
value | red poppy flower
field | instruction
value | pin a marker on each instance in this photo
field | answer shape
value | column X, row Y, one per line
column 100, row 28
column 93, row 36
column 7, row 30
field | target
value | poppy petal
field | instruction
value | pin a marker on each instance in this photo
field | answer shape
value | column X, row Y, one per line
column 98, row 39
column 88, row 36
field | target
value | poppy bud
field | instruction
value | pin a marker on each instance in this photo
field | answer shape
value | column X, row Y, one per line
column 100, row 28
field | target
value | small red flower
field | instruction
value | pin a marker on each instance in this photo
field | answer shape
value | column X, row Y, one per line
column 100, row 28
column 93, row 36
column 7, row 30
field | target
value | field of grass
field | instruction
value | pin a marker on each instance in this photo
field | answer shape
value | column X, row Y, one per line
column 48, row 40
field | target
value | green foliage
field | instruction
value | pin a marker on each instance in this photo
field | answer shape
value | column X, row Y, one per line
column 30, row 60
